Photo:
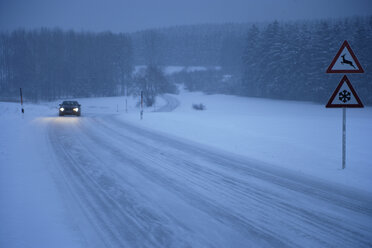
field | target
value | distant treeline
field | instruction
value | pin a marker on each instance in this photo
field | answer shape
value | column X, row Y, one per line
column 289, row 60
column 192, row 45
column 277, row 60
column 50, row 64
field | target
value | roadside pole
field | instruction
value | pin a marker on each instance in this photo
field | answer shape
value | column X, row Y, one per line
column 343, row 137
column 22, row 109
column 141, row 114
column 126, row 99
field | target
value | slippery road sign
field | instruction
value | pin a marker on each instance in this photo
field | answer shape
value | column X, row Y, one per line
column 345, row 61
column 344, row 96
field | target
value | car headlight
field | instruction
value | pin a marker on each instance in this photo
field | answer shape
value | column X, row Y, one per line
column 75, row 109
column 62, row 109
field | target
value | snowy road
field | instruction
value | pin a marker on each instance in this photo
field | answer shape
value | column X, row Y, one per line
column 170, row 105
column 131, row 187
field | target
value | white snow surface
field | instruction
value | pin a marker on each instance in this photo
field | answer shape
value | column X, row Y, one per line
column 245, row 172
column 301, row 136
column 171, row 69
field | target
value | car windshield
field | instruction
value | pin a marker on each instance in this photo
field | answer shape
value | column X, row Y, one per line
column 70, row 103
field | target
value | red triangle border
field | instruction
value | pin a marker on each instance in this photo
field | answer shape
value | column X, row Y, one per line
column 358, row 105
column 345, row 44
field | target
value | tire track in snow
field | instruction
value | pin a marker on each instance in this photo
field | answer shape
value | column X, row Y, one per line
column 328, row 225
column 349, row 198
column 116, row 227
column 192, row 173
column 201, row 202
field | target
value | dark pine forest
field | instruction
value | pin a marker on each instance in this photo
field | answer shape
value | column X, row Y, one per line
column 280, row 60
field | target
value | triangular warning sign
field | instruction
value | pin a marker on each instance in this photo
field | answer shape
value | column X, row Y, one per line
column 344, row 96
column 345, row 61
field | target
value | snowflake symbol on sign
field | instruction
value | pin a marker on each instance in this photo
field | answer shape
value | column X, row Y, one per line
column 344, row 96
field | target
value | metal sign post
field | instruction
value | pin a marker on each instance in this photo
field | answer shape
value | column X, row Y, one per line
column 344, row 95
column 343, row 138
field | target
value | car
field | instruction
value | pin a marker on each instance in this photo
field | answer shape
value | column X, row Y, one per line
column 69, row 108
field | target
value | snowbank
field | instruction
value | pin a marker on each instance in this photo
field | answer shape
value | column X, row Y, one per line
column 32, row 212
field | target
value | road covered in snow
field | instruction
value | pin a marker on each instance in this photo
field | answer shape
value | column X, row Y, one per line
column 117, row 182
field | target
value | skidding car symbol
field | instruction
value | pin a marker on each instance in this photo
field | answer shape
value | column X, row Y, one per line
column 69, row 108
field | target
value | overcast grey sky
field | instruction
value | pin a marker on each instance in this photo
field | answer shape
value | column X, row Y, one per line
column 132, row 15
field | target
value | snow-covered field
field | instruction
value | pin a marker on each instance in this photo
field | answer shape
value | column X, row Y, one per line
column 244, row 172
column 169, row 70
column 301, row 136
